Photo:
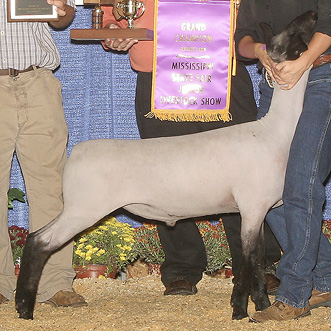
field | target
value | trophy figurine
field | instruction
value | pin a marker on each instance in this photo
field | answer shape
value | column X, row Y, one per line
column 127, row 9
column 130, row 10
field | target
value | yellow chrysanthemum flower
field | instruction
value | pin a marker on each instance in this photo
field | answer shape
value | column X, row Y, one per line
column 89, row 253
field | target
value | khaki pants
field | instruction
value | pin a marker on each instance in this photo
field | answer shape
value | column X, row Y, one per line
column 32, row 123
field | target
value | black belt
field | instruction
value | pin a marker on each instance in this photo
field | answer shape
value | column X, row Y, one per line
column 14, row 72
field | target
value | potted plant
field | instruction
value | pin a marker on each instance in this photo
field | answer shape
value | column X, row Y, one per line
column 216, row 244
column 17, row 235
column 326, row 228
column 147, row 246
column 104, row 246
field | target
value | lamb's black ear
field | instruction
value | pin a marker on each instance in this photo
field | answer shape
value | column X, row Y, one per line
column 267, row 32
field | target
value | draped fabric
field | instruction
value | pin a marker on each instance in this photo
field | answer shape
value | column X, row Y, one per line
column 98, row 98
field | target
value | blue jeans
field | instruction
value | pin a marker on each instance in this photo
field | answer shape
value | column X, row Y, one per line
column 306, row 262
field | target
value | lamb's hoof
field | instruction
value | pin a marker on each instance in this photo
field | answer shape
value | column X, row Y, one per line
column 239, row 315
column 26, row 315
column 24, row 310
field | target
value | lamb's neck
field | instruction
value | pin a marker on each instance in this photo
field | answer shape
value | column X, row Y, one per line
column 285, row 109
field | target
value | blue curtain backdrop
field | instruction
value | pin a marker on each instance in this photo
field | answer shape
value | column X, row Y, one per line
column 98, row 98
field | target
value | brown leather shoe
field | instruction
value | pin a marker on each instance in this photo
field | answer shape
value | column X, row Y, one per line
column 272, row 283
column 180, row 287
column 319, row 299
column 3, row 299
column 66, row 299
column 279, row 311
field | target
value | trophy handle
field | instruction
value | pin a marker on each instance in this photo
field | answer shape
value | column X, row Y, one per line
column 142, row 6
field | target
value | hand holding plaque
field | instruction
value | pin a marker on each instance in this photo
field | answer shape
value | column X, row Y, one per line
column 123, row 9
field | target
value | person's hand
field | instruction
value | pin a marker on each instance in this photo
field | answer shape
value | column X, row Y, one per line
column 288, row 73
column 60, row 6
column 118, row 44
column 265, row 59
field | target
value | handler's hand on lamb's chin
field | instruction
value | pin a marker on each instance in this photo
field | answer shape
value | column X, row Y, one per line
column 118, row 44
column 288, row 73
column 265, row 59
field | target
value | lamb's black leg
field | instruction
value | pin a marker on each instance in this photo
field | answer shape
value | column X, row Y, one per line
column 33, row 261
column 259, row 293
column 250, row 273
column 241, row 289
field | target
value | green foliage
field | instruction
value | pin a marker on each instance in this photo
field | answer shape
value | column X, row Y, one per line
column 15, row 194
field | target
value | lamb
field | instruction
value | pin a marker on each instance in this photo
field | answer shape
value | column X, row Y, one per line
column 238, row 168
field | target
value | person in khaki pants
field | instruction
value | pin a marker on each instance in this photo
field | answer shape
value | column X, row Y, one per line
column 33, row 125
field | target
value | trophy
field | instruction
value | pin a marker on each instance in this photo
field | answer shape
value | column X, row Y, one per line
column 127, row 9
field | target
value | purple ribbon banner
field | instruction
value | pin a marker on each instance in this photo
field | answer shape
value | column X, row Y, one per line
column 192, row 60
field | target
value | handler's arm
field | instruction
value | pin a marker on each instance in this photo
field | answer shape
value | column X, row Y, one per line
column 250, row 49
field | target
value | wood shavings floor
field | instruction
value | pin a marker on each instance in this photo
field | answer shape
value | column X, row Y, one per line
column 139, row 304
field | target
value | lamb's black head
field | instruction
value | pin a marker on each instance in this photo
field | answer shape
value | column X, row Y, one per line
column 293, row 40
column 295, row 47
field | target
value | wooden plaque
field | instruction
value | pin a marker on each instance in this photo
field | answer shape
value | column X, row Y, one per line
column 30, row 10
column 102, row 34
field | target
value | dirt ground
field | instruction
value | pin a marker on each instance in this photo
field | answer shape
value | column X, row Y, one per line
column 139, row 304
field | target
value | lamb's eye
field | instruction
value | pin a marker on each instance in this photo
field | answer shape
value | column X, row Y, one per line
column 281, row 49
